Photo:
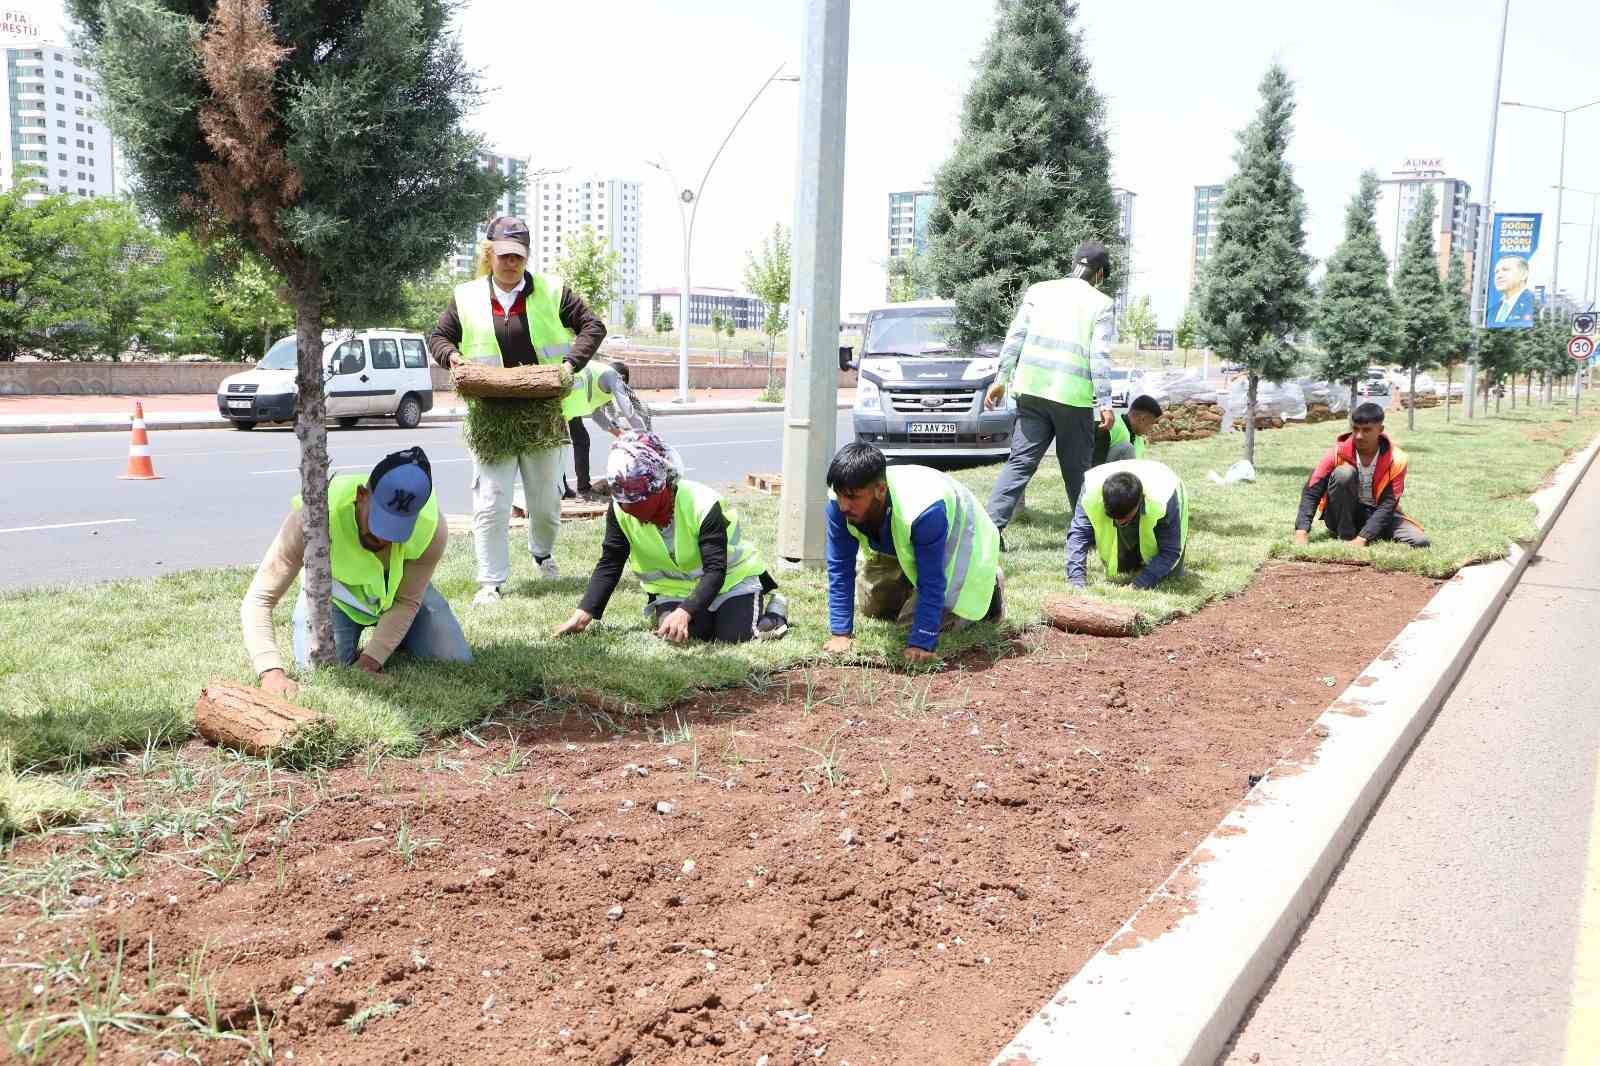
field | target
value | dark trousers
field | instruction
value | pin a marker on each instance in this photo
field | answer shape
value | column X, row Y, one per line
column 1345, row 515
column 1039, row 422
column 732, row 623
column 580, row 452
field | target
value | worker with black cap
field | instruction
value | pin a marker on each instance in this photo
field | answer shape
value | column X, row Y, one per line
column 508, row 317
column 386, row 538
column 1054, row 360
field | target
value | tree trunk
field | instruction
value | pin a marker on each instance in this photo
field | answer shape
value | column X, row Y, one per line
column 1353, row 396
column 1528, row 396
column 310, row 426
column 242, row 717
column 1513, row 391
column 1079, row 614
column 1449, row 375
column 1250, row 418
column 1411, row 408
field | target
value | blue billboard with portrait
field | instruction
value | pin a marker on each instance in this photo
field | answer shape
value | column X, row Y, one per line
column 1513, row 242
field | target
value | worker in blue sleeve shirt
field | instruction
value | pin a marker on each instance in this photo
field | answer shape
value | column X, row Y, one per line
column 1135, row 513
column 932, row 553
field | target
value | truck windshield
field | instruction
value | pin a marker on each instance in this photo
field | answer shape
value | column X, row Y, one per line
column 910, row 333
column 280, row 356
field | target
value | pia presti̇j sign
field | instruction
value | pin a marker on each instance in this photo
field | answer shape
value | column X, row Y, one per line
column 1513, row 242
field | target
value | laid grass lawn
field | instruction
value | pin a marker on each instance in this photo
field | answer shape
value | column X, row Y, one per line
column 92, row 670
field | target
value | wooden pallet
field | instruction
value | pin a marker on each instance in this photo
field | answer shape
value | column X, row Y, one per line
column 768, row 483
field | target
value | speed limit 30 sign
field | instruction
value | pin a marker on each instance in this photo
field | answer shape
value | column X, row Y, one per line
column 1580, row 348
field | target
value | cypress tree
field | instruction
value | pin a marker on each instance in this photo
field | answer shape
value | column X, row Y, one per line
column 327, row 138
column 1029, row 176
column 1255, row 293
column 1355, row 315
column 1425, row 319
column 1457, row 342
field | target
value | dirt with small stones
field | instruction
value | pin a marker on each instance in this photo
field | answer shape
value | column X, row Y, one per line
column 853, row 866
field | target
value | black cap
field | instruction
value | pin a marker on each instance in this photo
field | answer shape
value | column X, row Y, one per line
column 1092, row 256
column 508, row 235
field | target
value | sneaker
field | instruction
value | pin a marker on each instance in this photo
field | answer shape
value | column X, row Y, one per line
column 487, row 594
column 546, row 567
column 774, row 621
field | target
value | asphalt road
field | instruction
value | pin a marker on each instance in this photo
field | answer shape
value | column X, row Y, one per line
column 1464, row 927
column 65, row 518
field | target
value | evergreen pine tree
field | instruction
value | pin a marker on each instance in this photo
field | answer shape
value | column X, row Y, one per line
column 1254, row 292
column 1355, row 313
column 1029, row 176
column 328, row 138
column 1456, row 345
column 1425, row 317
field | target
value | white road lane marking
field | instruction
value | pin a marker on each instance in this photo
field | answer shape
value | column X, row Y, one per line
column 67, row 525
column 358, row 466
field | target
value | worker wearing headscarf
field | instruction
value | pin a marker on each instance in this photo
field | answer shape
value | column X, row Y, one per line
column 702, row 577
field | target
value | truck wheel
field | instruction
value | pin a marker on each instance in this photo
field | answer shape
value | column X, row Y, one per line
column 244, row 425
column 409, row 414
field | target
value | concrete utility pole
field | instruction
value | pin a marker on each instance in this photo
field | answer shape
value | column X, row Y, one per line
column 1480, row 283
column 811, row 382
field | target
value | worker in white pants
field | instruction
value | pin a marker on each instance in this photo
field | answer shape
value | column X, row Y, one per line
column 493, row 492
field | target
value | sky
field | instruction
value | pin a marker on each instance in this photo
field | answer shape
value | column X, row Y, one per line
column 604, row 85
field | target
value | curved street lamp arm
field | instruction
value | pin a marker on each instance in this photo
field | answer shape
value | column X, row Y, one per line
column 747, row 107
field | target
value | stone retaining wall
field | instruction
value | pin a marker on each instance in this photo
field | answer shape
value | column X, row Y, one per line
column 150, row 379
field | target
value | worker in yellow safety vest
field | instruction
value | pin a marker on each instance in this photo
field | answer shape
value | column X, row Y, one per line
column 1054, row 360
column 507, row 317
column 703, row 578
column 1135, row 514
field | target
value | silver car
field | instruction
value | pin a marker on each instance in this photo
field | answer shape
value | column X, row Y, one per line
column 918, row 396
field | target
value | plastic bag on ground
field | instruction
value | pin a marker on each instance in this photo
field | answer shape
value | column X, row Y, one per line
column 1334, row 395
column 1241, row 470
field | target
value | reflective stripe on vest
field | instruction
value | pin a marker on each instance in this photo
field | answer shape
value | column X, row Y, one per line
column 589, row 392
column 1158, row 482
column 971, row 547
column 1055, row 360
column 674, row 574
column 362, row 589
column 1121, row 435
column 542, row 304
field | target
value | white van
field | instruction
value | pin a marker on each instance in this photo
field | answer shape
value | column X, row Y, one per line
column 368, row 373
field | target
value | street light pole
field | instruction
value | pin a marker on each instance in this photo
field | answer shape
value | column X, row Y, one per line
column 811, row 393
column 1561, row 179
column 688, row 210
column 1481, row 284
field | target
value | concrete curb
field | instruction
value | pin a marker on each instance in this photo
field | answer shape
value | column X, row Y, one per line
column 1242, row 894
column 155, row 422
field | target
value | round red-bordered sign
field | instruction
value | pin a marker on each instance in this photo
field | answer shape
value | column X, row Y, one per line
column 1580, row 348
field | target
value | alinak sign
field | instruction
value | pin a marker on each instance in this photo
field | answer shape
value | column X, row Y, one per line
column 1421, row 166
column 18, row 26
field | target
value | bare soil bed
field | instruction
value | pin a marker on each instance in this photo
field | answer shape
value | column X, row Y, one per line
column 839, row 865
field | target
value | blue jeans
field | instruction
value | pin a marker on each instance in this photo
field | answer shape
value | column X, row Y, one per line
column 434, row 633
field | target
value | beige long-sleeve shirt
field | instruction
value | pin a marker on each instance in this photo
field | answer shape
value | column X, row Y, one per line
column 282, row 565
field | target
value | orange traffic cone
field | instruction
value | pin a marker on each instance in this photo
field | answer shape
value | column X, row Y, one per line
column 139, row 466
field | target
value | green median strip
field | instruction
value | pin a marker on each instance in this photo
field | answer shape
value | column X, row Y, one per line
column 89, row 671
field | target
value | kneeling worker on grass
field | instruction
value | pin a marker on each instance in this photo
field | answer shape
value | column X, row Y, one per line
column 933, row 553
column 386, row 539
column 705, row 580
column 1135, row 513
column 1125, row 437
column 1358, row 485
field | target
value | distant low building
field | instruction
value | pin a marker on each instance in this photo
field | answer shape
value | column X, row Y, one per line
column 746, row 311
